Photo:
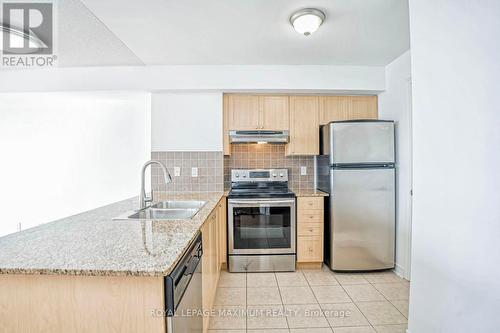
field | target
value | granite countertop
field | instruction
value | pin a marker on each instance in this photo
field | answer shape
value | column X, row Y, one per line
column 92, row 243
column 309, row 193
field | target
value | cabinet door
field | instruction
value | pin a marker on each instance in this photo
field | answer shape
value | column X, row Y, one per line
column 206, row 274
column 274, row 112
column 223, row 230
column 363, row 107
column 310, row 248
column 213, row 252
column 243, row 112
column 304, row 125
column 334, row 108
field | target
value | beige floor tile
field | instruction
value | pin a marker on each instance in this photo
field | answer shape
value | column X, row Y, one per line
column 381, row 313
column 319, row 278
column 270, row 330
column 227, row 331
column 305, row 316
column 330, row 294
column 402, row 306
column 266, row 317
column 401, row 328
column 393, row 291
column 297, row 295
column 291, row 279
column 230, row 296
column 358, row 329
column 382, row 277
column 312, row 330
column 261, row 280
column 228, row 318
column 325, row 268
column 363, row 293
column 344, row 314
column 350, row 278
column 263, row 296
column 232, row 280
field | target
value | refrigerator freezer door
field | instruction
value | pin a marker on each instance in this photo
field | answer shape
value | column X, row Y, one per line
column 362, row 219
column 364, row 142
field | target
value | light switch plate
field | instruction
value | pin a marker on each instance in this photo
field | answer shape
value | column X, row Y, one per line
column 303, row 171
column 194, row 172
column 177, row 171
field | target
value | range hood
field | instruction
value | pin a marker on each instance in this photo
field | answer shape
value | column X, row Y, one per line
column 258, row 136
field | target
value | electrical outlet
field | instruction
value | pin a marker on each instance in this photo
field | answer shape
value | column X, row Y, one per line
column 194, row 172
column 177, row 171
column 303, row 171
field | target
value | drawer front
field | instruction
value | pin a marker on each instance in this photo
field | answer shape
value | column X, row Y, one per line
column 310, row 248
column 310, row 229
column 310, row 216
column 310, row 203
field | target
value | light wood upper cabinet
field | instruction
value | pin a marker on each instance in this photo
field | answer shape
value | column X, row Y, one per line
column 273, row 112
column 364, row 107
column 304, row 125
column 251, row 112
column 335, row 108
column 243, row 112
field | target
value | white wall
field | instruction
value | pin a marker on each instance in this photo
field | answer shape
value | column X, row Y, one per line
column 64, row 153
column 456, row 207
column 394, row 104
column 186, row 121
column 352, row 79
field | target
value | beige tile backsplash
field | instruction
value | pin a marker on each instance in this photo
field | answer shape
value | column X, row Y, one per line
column 210, row 171
column 266, row 156
column 214, row 169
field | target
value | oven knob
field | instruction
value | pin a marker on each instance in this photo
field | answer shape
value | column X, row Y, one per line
column 281, row 175
column 274, row 175
column 237, row 175
column 244, row 176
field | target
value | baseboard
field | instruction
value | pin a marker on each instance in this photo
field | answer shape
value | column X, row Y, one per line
column 400, row 271
column 309, row 265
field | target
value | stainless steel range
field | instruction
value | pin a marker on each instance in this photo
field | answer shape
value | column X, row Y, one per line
column 261, row 221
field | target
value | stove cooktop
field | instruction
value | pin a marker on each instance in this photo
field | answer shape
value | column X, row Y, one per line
column 260, row 183
column 260, row 194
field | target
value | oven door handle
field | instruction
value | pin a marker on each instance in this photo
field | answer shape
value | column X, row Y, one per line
column 261, row 203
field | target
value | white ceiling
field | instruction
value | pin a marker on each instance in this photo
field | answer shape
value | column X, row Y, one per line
column 82, row 40
column 167, row 32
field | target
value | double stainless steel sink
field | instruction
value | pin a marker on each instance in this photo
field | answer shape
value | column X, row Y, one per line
column 166, row 210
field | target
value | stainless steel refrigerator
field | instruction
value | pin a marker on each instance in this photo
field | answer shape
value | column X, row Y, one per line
column 357, row 169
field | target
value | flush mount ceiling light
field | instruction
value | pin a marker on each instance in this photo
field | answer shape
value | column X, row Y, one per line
column 307, row 20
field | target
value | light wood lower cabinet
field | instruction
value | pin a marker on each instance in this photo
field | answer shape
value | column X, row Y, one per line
column 87, row 304
column 310, row 229
column 214, row 253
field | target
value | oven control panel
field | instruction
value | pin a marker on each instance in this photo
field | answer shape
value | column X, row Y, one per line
column 259, row 175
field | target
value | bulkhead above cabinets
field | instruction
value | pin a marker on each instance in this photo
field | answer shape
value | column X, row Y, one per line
column 300, row 115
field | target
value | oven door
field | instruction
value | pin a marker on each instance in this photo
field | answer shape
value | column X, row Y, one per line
column 263, row 226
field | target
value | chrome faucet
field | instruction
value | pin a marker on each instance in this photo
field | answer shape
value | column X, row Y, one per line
column 143, row 198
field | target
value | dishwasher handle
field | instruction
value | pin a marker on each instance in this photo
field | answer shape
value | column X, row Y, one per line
column 191, row 266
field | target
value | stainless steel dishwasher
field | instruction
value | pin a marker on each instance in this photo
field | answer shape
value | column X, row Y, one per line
column 183, row 292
